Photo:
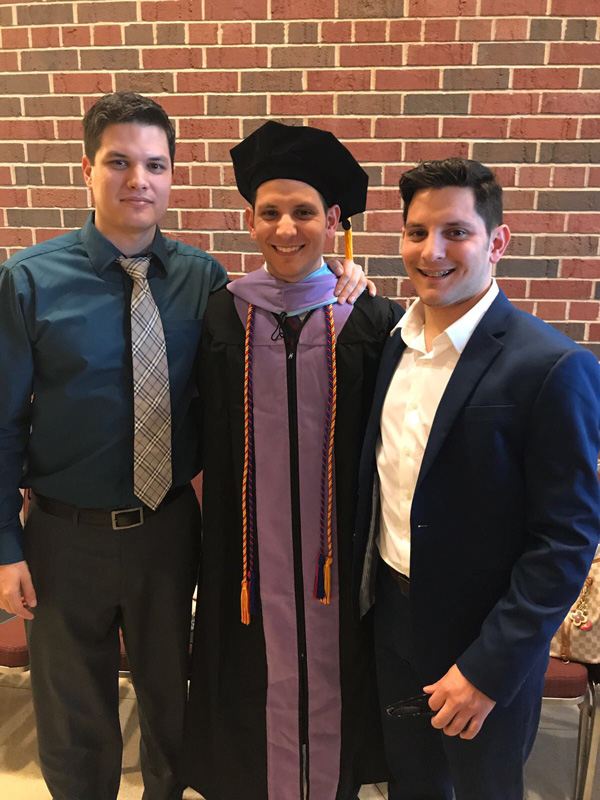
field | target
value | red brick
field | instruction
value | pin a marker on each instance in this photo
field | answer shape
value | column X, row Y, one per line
column 580, row 268
column 15, row 237
column 339, row 80
column 368, row 152
column 343, row 128
column 107, row 35
column 26, row 129
column 207, row 81
column 594, row 333
column 206, row 175
column 212, row 220
column 510, row 30
column 237, row 33
column 236, row 9
column 506, row 176
column 440, row 54
column 219, row 151
column 543, row 128
column 571, row 102
column 293, row 104
column 236, row 57
column 79, row 36
column 384, row 221
column 9, row 62
column 594, row 179
column 45, row 37
column 59, row 198
column 5, row 177
column 45, row 234
column 524, row 305
column 574, row 53
column 367, row 244
column 189, row 198
column 575, row 8
column 383, row 199
column 175, row 58
column 200, row 240
column 303, row 56
column 428, row 151
column 505, row 103
column 336, row 31
column 518, row 200
column 584, row 311
column 368, row 31
column 181, row 105
column 15, row 38
column 69, row 129
column 181, row 176
column 208, row 128
column 204, row 33
column 568, row 245
column 590, row 128
column 171, row 11
column 535, row 222
column 191, row 151
column 503, row 53
column 406, row 128
column 227, row 198
column 584, row 223
column 407, row 79
column 546, row 78
column 511, row 8
column 405, row 30
column 83, row 83
column 512, row 287
column 449, row 8
column 475, row 30
column 534, row 176
column 237, row 105
column 106, row 12
column 440, row 30
column 568, row 177
column 551, row 310
column 302, row 9
column 474, row 128
column 561, row 289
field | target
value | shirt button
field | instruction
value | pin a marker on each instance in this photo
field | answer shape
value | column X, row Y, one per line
column 414, row 404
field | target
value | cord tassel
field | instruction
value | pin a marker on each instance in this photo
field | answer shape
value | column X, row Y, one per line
column 245, row 603
column 327, row 581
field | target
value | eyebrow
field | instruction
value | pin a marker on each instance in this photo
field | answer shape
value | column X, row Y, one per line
column 117, row 154
column 459, row 223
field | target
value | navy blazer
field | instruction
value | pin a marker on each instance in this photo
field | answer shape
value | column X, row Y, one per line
column 505, row 517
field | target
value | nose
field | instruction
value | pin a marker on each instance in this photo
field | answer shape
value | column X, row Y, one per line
column 433, row 247
column 137, row 178
column 286, row 227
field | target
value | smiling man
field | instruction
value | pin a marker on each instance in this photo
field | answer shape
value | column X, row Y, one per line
column 479, row 510
column 282, row 698
column 101, row 326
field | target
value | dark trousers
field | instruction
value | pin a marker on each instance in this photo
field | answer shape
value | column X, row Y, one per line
column 89, row 582
column 427, row 764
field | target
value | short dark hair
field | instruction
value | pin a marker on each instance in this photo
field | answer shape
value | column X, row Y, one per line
column 124, row 107
column 456, row 172
column 326, row 207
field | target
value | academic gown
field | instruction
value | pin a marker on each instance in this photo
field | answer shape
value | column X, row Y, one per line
column 286, row 706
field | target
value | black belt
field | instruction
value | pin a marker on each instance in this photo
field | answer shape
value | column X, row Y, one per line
column 119, row 519
column 400, row 579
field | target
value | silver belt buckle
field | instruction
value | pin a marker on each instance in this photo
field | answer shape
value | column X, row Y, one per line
column 114, row 518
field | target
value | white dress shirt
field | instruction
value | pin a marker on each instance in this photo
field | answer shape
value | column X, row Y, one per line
column 408, row 411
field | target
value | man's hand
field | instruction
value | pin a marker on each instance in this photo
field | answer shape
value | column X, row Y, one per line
column 461, row 708
column 17, row 595
column 352, row 281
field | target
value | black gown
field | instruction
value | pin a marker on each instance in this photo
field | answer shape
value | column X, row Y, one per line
column 225, row 743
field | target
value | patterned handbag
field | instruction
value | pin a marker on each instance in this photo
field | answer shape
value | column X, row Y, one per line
column 578, row 638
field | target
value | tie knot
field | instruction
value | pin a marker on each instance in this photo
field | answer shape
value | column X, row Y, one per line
column 136, row 267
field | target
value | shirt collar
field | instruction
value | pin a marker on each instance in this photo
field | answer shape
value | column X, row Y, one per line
column 103, row 254
column 412, row 323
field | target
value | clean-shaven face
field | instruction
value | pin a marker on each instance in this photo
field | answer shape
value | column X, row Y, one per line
column 130, row 179
column 291, row 227
column 446, row 248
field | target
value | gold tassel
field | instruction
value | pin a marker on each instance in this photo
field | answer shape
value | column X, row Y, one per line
column 327, row 581
column 245, row 602
column 349, row 253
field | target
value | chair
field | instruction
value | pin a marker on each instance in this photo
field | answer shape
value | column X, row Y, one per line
column 14, row 654
column 569, row 684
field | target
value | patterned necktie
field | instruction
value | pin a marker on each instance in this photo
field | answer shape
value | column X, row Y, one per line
column 152, row 475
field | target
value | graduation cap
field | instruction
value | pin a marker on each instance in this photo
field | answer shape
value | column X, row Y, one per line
column 305, row 154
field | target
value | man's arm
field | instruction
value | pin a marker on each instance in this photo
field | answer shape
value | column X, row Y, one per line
column 352, row 280
column 16, row 373
column 559, row 463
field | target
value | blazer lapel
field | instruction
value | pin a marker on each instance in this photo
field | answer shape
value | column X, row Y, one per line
column 482, row 349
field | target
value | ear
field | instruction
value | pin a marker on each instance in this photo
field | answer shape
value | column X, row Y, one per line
column 86, row 167
column 332, row 220
column 499, row 242
column 249, row 217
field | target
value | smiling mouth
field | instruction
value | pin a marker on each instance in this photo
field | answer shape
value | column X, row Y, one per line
column 439, row 274
column 137, row 201
column 287, row 250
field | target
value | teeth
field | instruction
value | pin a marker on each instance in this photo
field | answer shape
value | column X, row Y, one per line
column 437, row 274
column 287, row 249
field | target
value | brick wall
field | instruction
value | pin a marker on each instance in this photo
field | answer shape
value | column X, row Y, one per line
column 513, row 83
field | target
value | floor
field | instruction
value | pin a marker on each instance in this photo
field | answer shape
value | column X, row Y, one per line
column 549, row 773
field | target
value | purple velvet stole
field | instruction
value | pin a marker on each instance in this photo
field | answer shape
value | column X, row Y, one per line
column 274, row 536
